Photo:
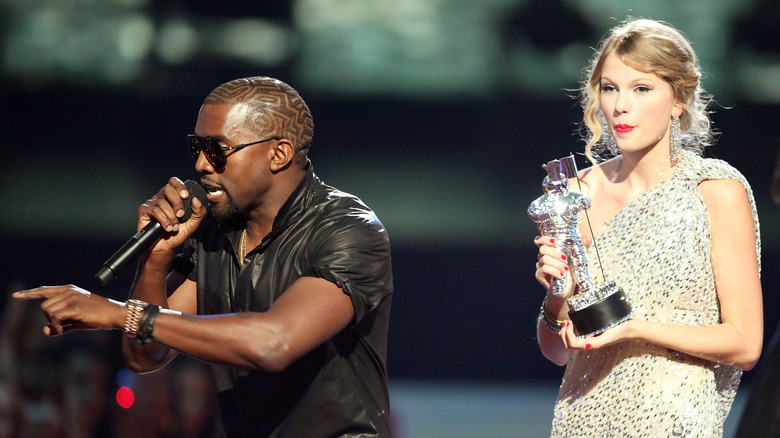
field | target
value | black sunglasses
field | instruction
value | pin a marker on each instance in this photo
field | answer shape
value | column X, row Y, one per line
column 214, row 151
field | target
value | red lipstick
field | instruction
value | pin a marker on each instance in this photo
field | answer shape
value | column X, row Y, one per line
column 623, row 129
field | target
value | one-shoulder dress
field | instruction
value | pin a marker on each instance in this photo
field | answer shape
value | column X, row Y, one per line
column 658, row 250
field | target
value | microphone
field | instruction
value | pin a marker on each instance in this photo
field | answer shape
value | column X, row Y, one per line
column 146, row 237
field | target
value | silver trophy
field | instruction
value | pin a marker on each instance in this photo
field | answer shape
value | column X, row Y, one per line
column 593, row 308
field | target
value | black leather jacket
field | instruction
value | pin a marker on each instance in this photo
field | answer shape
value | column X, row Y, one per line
column 340, row 388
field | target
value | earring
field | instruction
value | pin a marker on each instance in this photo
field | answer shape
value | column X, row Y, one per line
column 675, row 139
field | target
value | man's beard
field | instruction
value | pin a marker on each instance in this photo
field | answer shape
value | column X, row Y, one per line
column 227, row 212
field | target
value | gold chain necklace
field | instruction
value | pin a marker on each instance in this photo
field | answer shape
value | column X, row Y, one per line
column 242, row 249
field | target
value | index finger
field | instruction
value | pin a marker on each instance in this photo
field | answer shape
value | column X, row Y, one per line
column 46, row 292
column 175, row 192
column 166, row 207
column 544, row 241
column 179, row 186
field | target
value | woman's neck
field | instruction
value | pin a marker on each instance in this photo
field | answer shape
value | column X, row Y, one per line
column 642, row 171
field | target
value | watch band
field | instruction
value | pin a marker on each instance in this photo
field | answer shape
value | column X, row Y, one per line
column 135, row 309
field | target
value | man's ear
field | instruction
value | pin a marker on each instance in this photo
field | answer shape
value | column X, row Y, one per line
column 282, row 155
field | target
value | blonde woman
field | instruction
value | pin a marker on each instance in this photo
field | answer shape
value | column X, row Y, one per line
column 678, row 232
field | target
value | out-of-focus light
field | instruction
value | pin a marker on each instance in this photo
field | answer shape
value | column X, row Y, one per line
column 125, row 377
column 256, row 41
column 134, row 37
column 177, row 42
column 125, row 397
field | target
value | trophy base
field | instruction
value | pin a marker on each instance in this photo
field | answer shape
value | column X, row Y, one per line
column 606, row 313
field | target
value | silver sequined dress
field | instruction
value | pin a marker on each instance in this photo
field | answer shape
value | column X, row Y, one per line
column 658, row 249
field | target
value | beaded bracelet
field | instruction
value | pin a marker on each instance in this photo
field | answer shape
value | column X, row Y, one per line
column 146, row 325
column 554, row 325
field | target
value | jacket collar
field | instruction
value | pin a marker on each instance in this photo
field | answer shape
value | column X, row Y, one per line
column 298, row 201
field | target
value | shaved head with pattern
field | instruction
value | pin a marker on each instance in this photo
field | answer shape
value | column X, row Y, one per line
column 275, row 108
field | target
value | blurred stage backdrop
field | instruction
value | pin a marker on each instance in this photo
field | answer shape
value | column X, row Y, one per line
column 437, row 113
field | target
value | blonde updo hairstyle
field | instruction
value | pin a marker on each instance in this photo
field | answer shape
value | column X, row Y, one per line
column 653, row 47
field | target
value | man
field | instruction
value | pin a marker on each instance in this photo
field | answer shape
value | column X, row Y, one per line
column 284, row 285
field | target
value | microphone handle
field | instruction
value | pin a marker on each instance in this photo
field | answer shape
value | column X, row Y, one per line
column 129, row 252
column 146, row 237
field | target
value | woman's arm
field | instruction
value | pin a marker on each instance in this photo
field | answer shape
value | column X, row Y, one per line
column 738, row 339
column 551, row 264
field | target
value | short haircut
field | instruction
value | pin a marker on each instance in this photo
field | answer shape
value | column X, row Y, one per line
column 275, row 108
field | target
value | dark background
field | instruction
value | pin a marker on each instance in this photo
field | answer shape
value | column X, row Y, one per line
column 445, row 141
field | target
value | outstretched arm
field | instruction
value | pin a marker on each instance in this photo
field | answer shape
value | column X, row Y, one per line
column 311, row 311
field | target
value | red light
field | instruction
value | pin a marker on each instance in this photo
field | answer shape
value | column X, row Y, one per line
column 125, row 397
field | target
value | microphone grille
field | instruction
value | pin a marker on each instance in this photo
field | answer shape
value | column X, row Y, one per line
column 196, row 191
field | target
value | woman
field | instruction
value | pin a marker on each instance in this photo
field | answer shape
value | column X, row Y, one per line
column 677, row 232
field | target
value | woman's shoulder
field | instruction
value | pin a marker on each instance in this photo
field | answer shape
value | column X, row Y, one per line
column 700, row 168
column 724, row 191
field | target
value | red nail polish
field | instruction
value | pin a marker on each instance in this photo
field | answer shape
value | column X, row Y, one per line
column 563, row 257
column 565, row 268
column 552, row 241
column 587, row 346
